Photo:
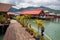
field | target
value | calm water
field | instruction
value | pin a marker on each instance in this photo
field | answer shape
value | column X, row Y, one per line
column 52, row 29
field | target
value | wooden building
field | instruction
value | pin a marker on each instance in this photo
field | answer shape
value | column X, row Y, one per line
column 4, row 8
column 35, row 13
column 3, row 11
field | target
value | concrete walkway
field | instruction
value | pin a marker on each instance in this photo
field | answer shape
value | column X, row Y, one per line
column 16, row 32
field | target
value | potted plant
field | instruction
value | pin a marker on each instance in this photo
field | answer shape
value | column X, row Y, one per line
column 37, row 36
column 40, row 23
column 31, row 30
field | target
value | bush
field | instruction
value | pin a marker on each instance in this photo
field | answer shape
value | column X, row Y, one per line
column 2, row 19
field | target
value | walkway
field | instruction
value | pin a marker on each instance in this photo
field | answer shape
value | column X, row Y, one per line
column 16, row 32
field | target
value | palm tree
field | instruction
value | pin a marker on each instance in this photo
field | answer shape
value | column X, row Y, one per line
column 17, row 17
column 22, row 19
column 39, row 23
column 26, row 18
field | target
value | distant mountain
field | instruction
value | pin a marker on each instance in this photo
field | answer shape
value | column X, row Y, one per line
column 16, row 10
column 13, row 9
column 27, row 8
column 50, row 10
column 45, row 8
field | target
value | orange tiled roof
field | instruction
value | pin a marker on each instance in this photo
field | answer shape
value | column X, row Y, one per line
column 33, row 11
column 5, row 7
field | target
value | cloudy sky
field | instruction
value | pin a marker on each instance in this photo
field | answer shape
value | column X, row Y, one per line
column 54, row 4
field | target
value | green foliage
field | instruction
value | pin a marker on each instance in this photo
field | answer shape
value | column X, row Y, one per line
column 22, row 19
column 39, row 23
column 2, row 19
column 31, row 29
column 27, row 16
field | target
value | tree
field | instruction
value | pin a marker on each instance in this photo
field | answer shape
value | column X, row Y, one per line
column 40, row 23
column 2, row 19
column 26, row 18
column 17, row 17
column 20, row 19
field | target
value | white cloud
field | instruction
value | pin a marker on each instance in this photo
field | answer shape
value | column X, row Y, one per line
column 4, row 1
column 35, row 3
column 48, row 3
column 21, row 5
column 54, row 7
column 24, row 5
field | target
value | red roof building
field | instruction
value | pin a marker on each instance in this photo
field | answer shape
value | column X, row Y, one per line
column 10, row 13
column 58, row 15
column 5, row 7
column 32, row 11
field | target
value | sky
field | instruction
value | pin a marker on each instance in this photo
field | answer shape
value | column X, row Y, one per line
column 53, row 4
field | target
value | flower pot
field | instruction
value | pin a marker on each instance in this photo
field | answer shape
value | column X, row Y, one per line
column 36, row 38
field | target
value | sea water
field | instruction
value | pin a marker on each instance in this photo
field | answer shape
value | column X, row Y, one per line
column 52, row 29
